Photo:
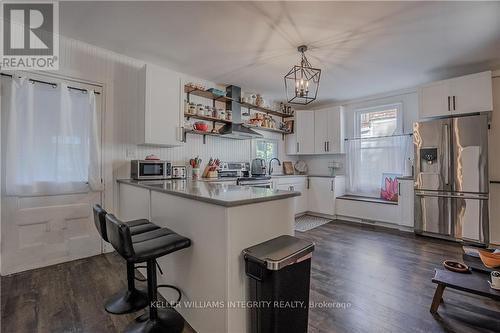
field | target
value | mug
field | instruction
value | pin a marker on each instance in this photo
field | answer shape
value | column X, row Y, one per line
column 495, row 280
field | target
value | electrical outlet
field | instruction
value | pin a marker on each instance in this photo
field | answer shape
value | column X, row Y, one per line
column 130, row 153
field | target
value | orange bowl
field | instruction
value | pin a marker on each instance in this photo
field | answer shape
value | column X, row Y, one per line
column 490, row 260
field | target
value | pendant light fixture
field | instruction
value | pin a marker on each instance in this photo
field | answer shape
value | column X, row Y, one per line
column 302, row 81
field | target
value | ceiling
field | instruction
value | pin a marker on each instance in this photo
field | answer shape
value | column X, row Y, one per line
column 363, row 48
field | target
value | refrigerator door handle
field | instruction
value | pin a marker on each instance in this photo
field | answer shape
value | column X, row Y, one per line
column 453, row 196
column 446, row 154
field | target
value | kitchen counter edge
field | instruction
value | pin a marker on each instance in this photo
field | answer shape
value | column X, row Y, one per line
column 277, row 196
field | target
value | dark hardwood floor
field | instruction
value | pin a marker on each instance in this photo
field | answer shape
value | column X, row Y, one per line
column 385, row 277
column 379, row 280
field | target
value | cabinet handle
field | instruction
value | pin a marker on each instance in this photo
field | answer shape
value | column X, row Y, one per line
column 399, row 188
column 449, row 107
column 331, row 185
column 308, row 183
column 328, row 146
column 324, row 146
column 297, row 147
column 454, row 106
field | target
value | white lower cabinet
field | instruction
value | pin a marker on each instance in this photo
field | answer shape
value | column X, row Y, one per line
column 406, row 202
column 317, row 193
column 321, row 195
column 298, row 184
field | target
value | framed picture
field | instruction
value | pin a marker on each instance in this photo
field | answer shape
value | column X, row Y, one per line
column 389, row 186
column 288, row 168
column 289, row 126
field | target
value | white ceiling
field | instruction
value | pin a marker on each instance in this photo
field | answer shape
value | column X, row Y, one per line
column 363, row 48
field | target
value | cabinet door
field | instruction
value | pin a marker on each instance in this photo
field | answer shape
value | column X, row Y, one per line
column 291, row 146
column 321, row 126
column 472, row 93
column 435, row 100
column 160, row 92
column 321, row 195
column 305, row 132
column 301, row 202
column 406, row 202
column 335, row 138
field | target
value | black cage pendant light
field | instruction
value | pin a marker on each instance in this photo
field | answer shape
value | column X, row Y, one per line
column 302, row 82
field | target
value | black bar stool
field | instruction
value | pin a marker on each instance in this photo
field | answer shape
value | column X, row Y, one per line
column 143, row 248
column 131, row 299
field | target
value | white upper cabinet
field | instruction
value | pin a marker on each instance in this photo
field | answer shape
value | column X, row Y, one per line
column 320, row 131
column 336, row 136
column 160, row 115
column 472, row 93
column 304, row 132
column 466, row 94
column 317, row 132
column 329, row 131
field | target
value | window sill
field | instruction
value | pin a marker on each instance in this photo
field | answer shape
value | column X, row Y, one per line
column 367, row 199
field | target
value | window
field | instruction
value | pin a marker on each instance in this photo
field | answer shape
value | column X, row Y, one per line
column 52, row 138
column 265, row 149
column 377, row 152
column 379, row 121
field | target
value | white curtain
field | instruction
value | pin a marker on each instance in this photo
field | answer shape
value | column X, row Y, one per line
column 52, row 139
column 369, row 158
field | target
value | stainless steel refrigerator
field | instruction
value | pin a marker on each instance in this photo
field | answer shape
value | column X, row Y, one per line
column 451, row 178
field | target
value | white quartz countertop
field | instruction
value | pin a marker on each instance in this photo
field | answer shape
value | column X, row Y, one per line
column 227, row 195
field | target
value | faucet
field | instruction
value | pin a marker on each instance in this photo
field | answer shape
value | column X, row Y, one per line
column 271, row 164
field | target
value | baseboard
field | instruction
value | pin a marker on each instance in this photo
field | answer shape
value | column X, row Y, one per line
column 375, row 223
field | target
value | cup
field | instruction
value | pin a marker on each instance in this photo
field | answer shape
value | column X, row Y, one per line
column 495, row 280
column 196, row 173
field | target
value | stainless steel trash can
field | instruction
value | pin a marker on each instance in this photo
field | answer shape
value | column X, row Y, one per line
column 279, row 272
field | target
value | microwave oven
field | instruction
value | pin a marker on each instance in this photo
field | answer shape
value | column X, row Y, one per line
column 150, row 169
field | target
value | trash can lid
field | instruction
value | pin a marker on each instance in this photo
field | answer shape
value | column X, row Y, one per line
column 279, row 252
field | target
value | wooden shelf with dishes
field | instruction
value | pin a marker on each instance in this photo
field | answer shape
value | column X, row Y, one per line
column 268, row 129
column 204, row 133
column 207, row 118
column 266, row 110
column 205, row 93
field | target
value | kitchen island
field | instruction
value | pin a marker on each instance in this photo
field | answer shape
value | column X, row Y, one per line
column 221, row 220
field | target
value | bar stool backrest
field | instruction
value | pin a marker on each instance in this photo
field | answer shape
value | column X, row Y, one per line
column 119, row 236
column 100, row 221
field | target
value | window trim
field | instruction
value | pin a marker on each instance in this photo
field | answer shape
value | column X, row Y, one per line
column 399, row 116
column 254, row 146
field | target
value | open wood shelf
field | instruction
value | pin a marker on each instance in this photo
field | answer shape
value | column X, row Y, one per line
column 275, row 130
column 217, row 120
column 205, row 94
column 266, row 110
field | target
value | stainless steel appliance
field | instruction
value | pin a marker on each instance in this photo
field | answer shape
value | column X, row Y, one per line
column 451, row 178
column 150, row 169
column 258, row 167
column 234, row 169
column 240, row 171
column 259, row 181
column 178, row 172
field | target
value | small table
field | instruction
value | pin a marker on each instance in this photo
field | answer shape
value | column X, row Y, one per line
column 474, row 283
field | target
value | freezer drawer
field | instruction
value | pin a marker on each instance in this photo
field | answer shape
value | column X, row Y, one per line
column 460, row 216
column 471, row 220
column 433, row 215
